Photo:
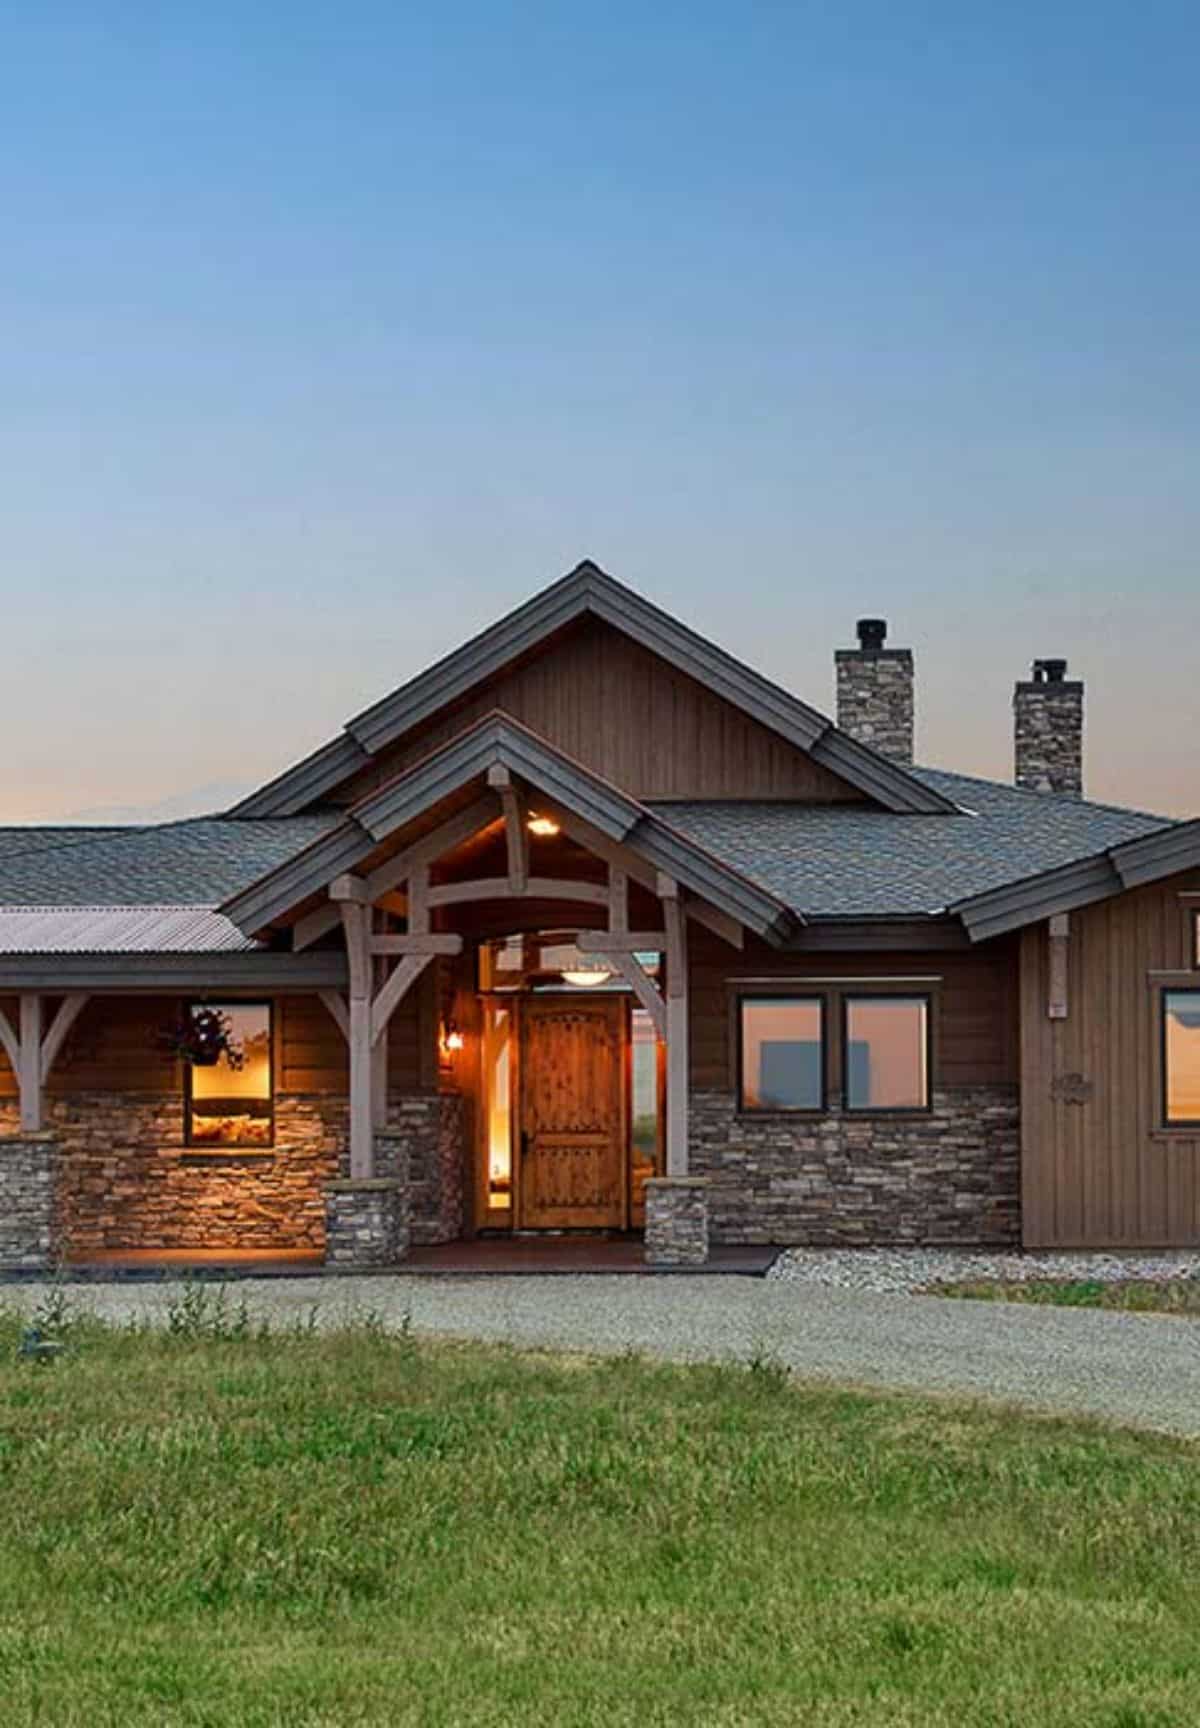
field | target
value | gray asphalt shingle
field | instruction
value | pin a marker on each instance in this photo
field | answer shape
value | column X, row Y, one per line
column 822, row 860
column 198, row 862
column 830, row 860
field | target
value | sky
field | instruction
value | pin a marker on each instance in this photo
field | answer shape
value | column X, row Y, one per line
column 328, row 333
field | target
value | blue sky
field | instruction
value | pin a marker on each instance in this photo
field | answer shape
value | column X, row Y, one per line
column 328, row 333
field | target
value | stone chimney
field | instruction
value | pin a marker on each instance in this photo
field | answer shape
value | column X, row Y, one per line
column 1048, row 730
column 875, row 692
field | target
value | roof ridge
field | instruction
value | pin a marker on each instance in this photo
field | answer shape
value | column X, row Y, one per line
column 1060, row 798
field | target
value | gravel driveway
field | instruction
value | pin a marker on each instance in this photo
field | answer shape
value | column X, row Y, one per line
column 1132, row 1368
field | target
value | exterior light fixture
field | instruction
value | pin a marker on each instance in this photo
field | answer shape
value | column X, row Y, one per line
column 543, row 825
column 451, row 1039
column 588, row 973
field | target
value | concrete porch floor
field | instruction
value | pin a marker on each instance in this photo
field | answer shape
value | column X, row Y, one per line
column 494, row 1256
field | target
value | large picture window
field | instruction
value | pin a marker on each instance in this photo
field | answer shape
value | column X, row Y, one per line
column 887, row 1052
column 782, row 1053
column 1181, row 1057
column 230, row 1102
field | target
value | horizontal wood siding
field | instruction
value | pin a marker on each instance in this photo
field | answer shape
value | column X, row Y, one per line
column 626, row 714
column 975, row 1003
column 112, row 1047
column 1096, row 1168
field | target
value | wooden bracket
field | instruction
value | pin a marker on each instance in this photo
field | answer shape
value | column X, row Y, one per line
column 1058, row 1005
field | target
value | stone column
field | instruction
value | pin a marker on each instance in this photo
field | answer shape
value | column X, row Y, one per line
column 366, row 1223
column 677, row 1221
column 28, row 1170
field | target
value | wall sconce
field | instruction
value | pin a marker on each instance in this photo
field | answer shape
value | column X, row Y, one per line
column 450, row 1040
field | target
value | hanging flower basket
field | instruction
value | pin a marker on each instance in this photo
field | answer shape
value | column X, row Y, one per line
column 201, row 1038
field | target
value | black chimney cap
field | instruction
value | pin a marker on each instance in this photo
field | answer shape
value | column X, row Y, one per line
column 1049, row 671
column 872, row 634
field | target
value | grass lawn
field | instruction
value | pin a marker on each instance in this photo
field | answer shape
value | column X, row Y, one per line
column 216, row 1527
column 1134, row 1295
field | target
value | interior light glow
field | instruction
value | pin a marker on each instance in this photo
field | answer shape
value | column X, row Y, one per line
column 589, row 974
column 543, row 825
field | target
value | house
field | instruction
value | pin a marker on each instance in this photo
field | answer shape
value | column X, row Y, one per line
column 591, row 927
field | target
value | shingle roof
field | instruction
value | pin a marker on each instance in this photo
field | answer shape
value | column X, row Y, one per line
column 831, row 861
column 199, row 862
column 119, row 930
column 824, row 861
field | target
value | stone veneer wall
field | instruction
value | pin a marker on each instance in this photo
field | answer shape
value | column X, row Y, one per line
column 126, row 1180
column 844, row 1180
column 432, row 1130
column 27, row 1179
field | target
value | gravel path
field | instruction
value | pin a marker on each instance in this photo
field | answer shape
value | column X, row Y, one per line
column 913, row 1269
column 1130, row 1368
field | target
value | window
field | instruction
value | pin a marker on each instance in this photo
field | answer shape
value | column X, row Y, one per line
column 887, row 1052
column 230, row 1102
column 498, row 1105
column 783, row 1053
column 1181, row 1057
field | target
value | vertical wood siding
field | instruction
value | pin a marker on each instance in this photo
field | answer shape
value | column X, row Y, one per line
column 630, row 716
column 1097, row 1168
column 111, row 1047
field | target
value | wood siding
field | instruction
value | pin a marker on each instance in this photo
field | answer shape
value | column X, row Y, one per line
column 1097, row 1167
column 111, row 1047
column 974, row 1003
column 626, row 714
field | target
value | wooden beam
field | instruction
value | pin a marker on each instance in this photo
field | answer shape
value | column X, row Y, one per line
column 536, row 888
column 314, row 925
column 392, row 993
column 350, row 888
column 678, row 1080
column 418, row 901
column 69, row 1010
column 354, row 923
column 618, row 898
column 515, row 831
column 431, row 943
column 643, row 988
column 362, row 1133
column 30, row 1070
column 335, row 1002
column 432, row 846
column 623, row 941
column 1057, row 1004
column 11, row 1042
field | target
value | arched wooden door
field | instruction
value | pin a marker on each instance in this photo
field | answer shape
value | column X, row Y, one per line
column 572, row 1118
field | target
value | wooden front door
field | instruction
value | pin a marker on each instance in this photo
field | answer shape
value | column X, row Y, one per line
column 572, row 1121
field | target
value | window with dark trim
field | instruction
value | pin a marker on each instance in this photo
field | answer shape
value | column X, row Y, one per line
column 1181, row 1058
column 782, row 1053
column 230, row 1103
column 885, row 1052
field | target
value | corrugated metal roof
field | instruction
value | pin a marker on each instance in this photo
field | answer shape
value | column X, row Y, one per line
column 119, row 930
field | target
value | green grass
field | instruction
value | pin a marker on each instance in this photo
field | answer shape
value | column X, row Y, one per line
column 215, row 1527
column 1134, row 1295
